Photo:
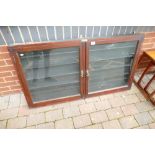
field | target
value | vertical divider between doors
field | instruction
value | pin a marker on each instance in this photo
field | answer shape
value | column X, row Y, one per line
column 82, row 69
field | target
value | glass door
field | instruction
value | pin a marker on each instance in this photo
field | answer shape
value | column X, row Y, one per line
column 52, row 74
column 63, row 71
column 109, row 64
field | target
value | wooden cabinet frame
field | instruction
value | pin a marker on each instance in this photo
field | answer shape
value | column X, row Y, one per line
column 99, row 41
column 44, row 46
column 84, row 45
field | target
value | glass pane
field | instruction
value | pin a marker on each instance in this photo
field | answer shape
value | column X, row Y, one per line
column 53, row 73
column 110, row 65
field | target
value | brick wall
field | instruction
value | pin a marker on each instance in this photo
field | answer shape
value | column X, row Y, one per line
column 9, row 82
column 149, row 41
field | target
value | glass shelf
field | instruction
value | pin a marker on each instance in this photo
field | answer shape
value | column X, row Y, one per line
column 110, row 65
column 52, row 73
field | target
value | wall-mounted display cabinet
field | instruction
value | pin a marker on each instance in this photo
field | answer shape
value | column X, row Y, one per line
column 56, row 72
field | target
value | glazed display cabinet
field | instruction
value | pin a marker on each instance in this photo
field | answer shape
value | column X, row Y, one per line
column 54, row 72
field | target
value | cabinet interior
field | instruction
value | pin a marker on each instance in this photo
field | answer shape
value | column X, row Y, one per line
column 62, row 71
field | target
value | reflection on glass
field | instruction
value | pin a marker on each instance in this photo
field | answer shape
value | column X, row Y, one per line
column 110, row 65
column 52, row 73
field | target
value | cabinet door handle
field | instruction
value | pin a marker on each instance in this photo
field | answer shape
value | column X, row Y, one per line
column 82, row 73
column 87, row 73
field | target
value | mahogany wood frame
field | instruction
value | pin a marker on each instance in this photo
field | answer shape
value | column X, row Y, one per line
column 84, row 65
column 139, row 38
column 14, row 50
